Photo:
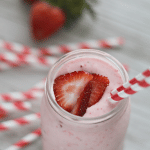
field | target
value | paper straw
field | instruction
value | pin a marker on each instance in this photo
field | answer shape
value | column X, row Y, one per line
column 18, row 59
column 9, row 107
column 7, row 125
column 61, row 49
column 139, row 82
column 4, row 66
column 34, row 93
column 3, row 114
column 21, row 96
column 26, row 140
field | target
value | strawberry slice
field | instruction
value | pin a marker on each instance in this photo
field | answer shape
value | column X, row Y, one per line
column 99, row 84
column 67, row 88
column 82, row 102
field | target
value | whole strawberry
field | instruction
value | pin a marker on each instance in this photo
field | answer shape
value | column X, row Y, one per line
column 45, row 20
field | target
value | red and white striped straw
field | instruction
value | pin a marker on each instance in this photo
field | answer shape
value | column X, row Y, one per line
column 7, row 125
column 34, row 93
column 21, row 96
column 4, row 66
column 61, row 49
column 140, row 82
column 26, row 140
column 13, row 59
column 10, row 107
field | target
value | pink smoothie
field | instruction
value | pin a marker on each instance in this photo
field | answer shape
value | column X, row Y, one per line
column 60, row 133
column 100, row 67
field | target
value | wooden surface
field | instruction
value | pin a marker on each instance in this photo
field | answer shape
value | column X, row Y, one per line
column 129, row 19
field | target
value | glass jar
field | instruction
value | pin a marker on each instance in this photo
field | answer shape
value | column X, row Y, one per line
column 63, row 131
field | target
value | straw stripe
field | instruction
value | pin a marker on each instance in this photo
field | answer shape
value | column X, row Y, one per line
column 15, row 47
column 26, row 140
column 133, row 81
column 7, row 125
column 61, row 49
column 146, row 73
column 9, row 107
column 21, row 96
column 140, row 82
column 4, row 66
column 129, row 91
column 35, row 92
column 18, row 59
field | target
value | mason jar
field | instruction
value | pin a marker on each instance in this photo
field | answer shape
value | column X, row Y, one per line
column 62, row 130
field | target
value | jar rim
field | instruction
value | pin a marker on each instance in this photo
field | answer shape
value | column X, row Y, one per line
column 85, row 120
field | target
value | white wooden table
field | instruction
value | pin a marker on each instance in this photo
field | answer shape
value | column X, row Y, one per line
column 129, row 19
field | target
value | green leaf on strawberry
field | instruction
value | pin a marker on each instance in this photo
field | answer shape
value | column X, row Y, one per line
column 73, row 8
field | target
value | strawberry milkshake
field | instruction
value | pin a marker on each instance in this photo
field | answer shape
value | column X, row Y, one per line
column 75, row 110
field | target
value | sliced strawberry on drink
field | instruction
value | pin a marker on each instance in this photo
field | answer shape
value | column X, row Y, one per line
column 99, row 84
column 67, row 88
column 82, row 102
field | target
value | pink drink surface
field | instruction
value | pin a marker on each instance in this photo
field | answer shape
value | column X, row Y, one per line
column 100, row 67
column 61, row 134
